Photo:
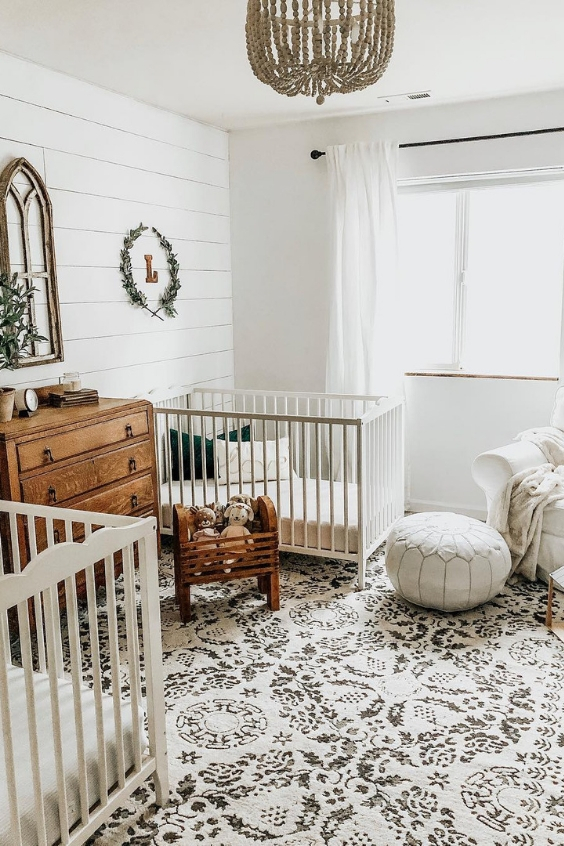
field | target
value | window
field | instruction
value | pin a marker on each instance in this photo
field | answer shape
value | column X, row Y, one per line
column 27, row 247
column 482, row 271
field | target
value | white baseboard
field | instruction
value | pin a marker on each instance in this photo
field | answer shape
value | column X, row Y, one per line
column 422, row 505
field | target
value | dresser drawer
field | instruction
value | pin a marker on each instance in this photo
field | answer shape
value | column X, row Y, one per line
column 52, row 448
column 133, row 496
column 57, row 486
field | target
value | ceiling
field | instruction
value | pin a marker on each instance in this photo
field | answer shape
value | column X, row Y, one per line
column 190, row 57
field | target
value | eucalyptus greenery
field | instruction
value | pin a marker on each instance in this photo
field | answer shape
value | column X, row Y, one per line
column 17, row 332
column 137, row 297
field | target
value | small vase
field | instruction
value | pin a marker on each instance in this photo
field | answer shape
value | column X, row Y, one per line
column 7, row 396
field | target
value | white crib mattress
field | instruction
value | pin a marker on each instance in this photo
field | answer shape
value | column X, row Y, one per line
column 327, row 534
column 47, row 754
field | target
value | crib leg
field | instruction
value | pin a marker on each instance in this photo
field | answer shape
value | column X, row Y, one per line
column 162, row 790
column 361, row 573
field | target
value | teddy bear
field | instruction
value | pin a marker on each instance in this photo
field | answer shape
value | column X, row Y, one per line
column 237, row 515
column 205, row 531
column 219, row 511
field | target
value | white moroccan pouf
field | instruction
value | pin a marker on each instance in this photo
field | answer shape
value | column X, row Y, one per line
column 447, row 561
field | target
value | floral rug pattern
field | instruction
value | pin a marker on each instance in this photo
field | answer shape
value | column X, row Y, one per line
column 355, row 719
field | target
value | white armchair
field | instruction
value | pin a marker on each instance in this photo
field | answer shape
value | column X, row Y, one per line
column 492, row 470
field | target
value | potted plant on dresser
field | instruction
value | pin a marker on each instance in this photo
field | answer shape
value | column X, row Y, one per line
column 17, row 333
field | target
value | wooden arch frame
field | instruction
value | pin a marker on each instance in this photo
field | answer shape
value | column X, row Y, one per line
column 38, row 191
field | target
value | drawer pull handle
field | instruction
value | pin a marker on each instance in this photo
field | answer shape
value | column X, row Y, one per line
column 134, row 501
column 56, row 536
column 48, row 453
column 129, row 431
column 132, row 465
column 52, row 494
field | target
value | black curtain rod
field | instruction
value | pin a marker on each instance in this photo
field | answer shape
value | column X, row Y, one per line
column 316, row 154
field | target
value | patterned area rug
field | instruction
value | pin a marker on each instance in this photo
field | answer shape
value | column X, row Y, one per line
column 354, row 719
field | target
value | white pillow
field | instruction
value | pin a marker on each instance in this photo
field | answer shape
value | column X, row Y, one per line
column 229, row 451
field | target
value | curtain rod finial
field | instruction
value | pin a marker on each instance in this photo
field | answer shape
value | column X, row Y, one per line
column 316, row 154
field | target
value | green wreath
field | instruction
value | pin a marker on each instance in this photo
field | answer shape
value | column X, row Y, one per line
column 137, row 297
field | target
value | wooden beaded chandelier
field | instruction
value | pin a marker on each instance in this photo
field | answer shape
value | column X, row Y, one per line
column 319, row 47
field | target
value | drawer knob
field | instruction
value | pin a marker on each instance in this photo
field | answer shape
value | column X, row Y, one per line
column 132, row 465
column 52, row 494
column 129, row 431
column 134, row 501
column 48, row 453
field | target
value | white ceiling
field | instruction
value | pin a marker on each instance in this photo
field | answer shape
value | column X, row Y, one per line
column 190, row 57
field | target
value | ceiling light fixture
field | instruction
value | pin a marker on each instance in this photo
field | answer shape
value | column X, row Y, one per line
column 319, row 47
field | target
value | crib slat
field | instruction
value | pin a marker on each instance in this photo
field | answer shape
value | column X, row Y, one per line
column 346, row 487
column 37, row 603
column 76, row 676
column 331, row 487
column 277, row 439
column 5, row 712
column 253, row 469
column 132, row 638
column 305, row 471
column 192, row 454
column 168, row 460
column 264, row 461
column 4, row 636
column 52, row 623
column 225, row 446
column 204, row 431
column 152, row 651
column 215, row 462
column 114, row 667
column 97, row 683
column 237, row 429
column 27, row 664
column 317, row 431
column 291, row 448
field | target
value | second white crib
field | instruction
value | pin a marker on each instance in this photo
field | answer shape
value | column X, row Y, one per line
column 332, row 464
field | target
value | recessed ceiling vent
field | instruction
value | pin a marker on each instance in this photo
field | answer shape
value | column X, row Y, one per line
column 413, row 95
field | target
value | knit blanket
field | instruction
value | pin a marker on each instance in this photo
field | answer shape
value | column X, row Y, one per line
column 549, row 440
column 517, row 512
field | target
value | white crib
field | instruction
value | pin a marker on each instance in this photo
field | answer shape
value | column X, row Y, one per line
column 74, row 746
column 333, row 465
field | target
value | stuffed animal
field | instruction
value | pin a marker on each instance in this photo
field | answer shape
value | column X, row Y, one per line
column 246, row 500
column 237, row 514
column 205, row 532
column 219, row 511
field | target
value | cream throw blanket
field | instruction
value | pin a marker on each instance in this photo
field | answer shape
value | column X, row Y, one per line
column 517, row 512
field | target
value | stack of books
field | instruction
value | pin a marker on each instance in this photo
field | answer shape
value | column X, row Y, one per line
column 86, row 396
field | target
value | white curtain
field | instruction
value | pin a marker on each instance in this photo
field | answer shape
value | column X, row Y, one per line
column 365, row 346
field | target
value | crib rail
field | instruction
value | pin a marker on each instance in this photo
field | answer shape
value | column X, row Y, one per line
column 333, row 465
column 93, row 653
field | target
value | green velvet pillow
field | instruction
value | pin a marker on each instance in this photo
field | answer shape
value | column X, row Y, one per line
column 245, row 435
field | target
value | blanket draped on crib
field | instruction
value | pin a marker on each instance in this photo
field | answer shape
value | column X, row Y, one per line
column 517, row 512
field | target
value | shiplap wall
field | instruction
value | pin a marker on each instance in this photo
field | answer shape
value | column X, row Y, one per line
column 110, row 163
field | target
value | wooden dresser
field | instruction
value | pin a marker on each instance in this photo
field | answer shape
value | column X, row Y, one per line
column 93, row 457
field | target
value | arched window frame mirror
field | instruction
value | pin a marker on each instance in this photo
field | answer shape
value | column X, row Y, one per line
column 36, row 192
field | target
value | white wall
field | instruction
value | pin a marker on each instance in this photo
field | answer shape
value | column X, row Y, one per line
column 110, row 163
column 281, row 273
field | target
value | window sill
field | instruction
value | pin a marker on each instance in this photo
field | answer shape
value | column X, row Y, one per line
column 458, row 375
